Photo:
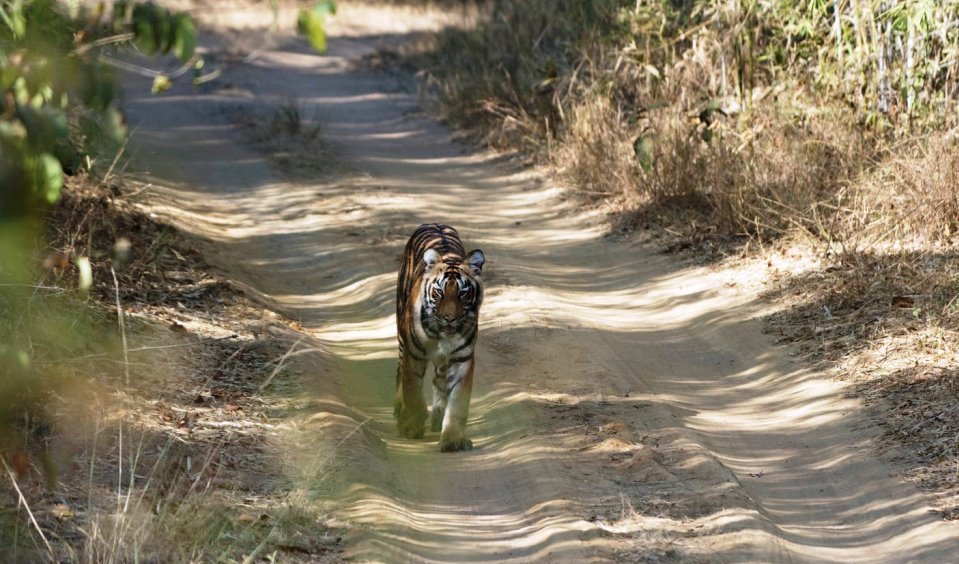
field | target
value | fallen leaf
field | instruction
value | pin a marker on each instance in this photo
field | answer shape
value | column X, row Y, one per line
column 903, row 301
column 21, row 463
column 62, row 511
column 56, row 260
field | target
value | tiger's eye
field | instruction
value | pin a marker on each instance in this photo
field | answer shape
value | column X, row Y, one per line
column 436, row 294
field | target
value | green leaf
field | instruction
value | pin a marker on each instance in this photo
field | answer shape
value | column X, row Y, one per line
column 310, row 24
column 48, row 177
column 86, row 273
column 23, row 359
column 325, row 8
column 643, row 149
column 114, row 126
column 95, row 84
column 185, row 43
column 45, row 126
column 145, row 28
column 164, row 29
column 16, row 20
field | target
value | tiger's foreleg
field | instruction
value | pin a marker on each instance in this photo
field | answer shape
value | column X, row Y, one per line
column 459, row 388
column 439, row 398
column 409, row 406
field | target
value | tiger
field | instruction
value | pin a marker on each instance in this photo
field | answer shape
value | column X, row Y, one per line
column 438, row 296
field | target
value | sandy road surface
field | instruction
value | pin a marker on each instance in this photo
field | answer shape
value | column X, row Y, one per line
column 626, row 407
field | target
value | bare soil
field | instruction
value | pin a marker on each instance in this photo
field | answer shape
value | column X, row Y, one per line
column 628, row 406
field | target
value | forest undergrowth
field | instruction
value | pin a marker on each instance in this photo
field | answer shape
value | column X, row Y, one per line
column 816, row 140
column 140, row 391
column 143, row 425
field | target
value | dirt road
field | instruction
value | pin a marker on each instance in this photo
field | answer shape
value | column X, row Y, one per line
column 627, row 407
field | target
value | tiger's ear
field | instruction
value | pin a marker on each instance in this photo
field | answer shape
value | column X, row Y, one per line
column 476, row 259
column 430, row 258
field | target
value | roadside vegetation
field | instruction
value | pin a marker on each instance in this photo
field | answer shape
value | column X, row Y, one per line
column 138, row 389
column 820, row 134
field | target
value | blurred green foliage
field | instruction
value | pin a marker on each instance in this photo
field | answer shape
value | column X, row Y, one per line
column 58, row 107
column 57, row 92
column 311, row 23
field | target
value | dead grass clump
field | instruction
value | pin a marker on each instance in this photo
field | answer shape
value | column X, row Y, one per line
column 597, row 154
column 771, row 176
column 755, row 174
column 671, row 111
column 916, row 191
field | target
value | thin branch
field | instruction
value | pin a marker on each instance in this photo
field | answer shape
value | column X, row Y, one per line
column 119, row 38
column 36, row 287
column 123, row 330
column 23, row 502
column 279, row 366
column 116, row 158
column 159, row 347
column 100, row 356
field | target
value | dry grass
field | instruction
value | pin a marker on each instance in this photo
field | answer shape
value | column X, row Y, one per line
column 915, row 192
column 754, row 177
column 501, row 80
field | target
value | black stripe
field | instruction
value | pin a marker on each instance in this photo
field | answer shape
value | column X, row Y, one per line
column 416, row 341
column 470, row 341
column 461, row 358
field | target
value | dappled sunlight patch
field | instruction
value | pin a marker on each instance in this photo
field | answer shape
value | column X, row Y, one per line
column 360, row 340
column 500, row 533
column 816, row 408
column 650, row 308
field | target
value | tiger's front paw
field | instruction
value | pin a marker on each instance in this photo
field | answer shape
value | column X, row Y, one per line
column 411, row 425
column 448, row 444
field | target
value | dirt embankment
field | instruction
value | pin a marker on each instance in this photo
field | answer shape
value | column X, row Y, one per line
column 627, row 406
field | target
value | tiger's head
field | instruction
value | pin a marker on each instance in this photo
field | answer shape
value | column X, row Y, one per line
column 452, row 292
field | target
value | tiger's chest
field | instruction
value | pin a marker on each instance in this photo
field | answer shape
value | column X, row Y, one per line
column 439, row 347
